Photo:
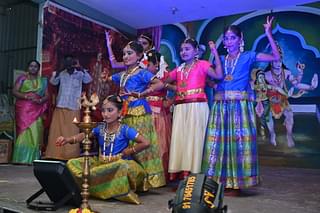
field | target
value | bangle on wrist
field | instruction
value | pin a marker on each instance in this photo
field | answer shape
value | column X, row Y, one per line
column 73, row 140
column 134, row 151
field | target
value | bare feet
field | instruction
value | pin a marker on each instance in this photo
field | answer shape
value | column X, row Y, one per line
column 290, row 140
column 273, row 139
column 262, row 132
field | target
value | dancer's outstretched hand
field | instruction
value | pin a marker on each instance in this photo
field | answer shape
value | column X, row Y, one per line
column 109, row 38
column 268, row 25
column 212, row 47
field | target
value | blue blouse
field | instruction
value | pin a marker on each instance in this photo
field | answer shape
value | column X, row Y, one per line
column 241, row 74
column 121, row 141
column 138, row 82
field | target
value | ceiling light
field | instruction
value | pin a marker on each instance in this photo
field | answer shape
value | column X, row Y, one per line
column 174, row 10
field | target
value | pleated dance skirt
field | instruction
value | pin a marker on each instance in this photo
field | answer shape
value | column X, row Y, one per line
column 188, row 135
column 119, row 180
column 163, row 125
column 149, row 158
column 230, row 155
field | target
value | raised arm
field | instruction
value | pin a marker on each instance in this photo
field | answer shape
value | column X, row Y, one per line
column 55, row 78
column 86, row 77
column 114, row 63
column 217, row 72
column 275, row 54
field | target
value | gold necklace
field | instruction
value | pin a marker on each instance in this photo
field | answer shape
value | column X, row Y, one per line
column 108, row 140
column 125, row 76
column 184, row 72
column 229, row 67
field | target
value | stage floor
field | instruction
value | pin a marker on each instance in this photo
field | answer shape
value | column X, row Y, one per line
column 285, row 190
column 290, row 180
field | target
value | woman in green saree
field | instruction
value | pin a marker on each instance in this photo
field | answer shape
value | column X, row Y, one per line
column 31, row 94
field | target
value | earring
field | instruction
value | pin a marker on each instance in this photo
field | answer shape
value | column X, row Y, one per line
column 242, row 45
column 120, row 119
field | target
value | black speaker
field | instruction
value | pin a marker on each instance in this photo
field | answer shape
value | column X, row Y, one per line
column 57, row 182
column 198, row 194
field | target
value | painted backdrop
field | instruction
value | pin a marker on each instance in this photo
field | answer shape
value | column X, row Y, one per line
column 67, row 33
column 297, row 31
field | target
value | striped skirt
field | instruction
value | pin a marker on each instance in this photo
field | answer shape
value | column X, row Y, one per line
column 149, row 158
column 162, row 123
column 119, row 179
column 230, row 155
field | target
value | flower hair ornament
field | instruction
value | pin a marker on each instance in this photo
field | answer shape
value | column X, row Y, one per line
column 119, row 99
column 241, row 45
column 147, row 38
column 143, row 63
column 162, row 67
column 181, row 67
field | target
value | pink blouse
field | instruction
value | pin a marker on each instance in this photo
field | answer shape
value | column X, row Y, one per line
column 191, row 81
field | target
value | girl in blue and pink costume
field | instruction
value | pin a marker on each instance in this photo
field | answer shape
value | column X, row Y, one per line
column 191, row 109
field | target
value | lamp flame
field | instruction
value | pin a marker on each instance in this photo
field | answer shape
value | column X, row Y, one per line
column 75, row 120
